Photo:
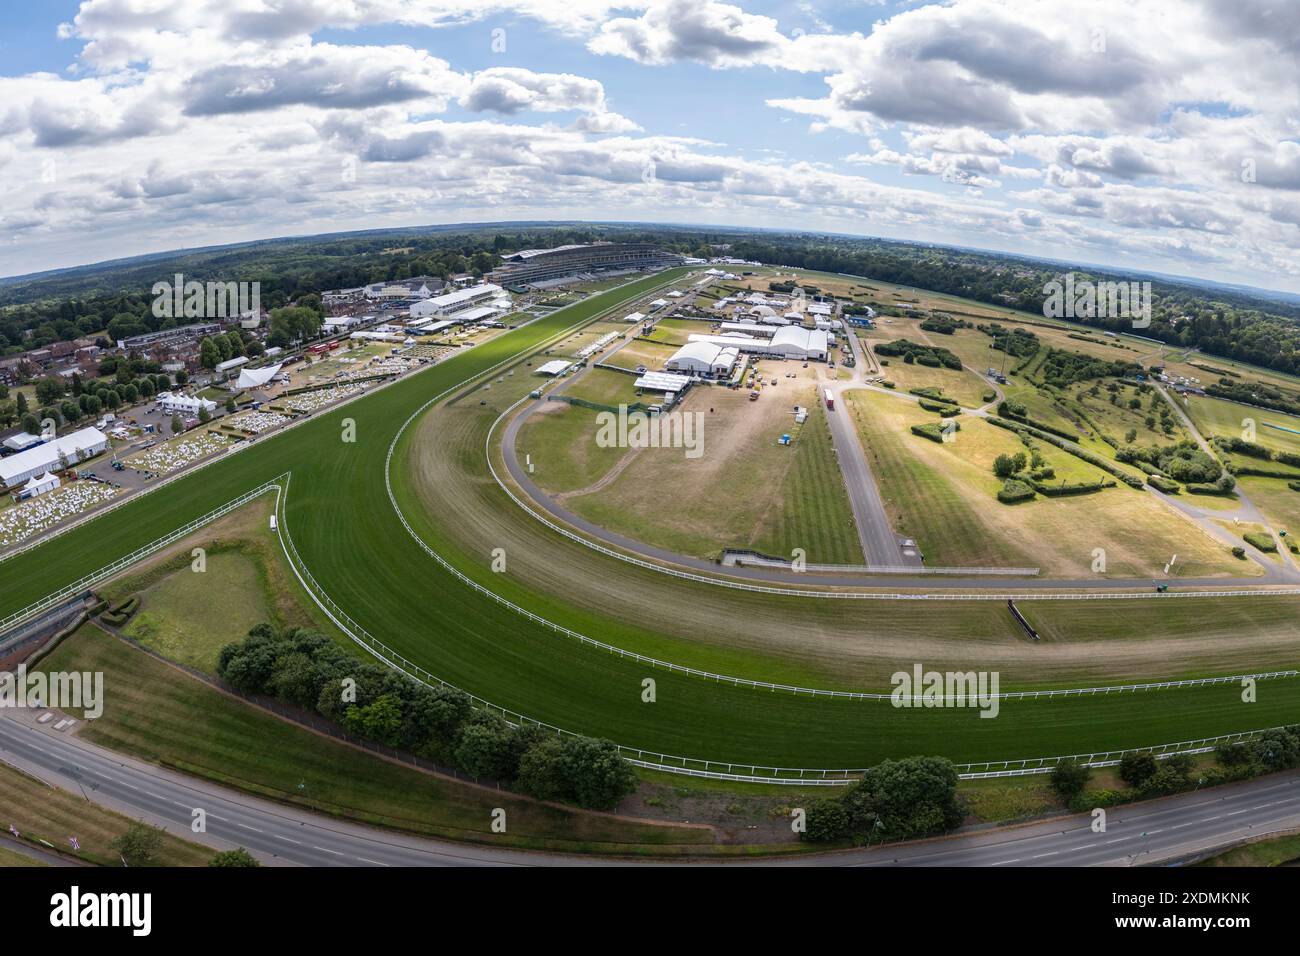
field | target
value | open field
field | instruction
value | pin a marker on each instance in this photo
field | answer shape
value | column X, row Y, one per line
column 159, row 714
column 39, row 811
column 1216, row 416
column 640, row 352
column 944, row 496
column 363, row 557
column 559, row 442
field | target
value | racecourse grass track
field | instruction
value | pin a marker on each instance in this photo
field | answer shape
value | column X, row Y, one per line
column 348, row 535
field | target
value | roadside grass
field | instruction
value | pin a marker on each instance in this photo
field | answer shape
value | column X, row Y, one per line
column 11, row 859
column 162, row 715
column 1276, row 851
column 39, row 811
column 1276, row 501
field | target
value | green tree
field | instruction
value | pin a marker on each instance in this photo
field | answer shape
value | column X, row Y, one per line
column 598, row 776
column 379, row 720
column 139, row 845
column 1068, row 778
column 239, row 857
column 1136, row 768
column 826, row 821
column 209, row 357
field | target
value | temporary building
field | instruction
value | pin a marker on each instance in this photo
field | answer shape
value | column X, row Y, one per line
column 70, row 449
column 257, row 377
column 39, row 485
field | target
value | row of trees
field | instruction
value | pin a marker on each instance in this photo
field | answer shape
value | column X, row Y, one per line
column 1149, row 776
column 896, row 800
column 306, row 669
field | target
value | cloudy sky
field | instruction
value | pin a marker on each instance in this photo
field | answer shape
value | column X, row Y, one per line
column 1151, row 134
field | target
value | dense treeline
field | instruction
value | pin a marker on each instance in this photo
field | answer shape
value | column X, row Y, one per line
column 304, row 668
column 1220, row 321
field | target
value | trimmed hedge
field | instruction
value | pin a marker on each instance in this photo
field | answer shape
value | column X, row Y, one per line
column 1167, row 485
column 1069, row 488
column 1260, row 541
column 1014, row 491
column 933, row 430
column 1095, row 460
column 942, row 408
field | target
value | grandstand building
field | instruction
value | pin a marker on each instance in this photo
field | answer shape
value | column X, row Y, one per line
column 532, row 266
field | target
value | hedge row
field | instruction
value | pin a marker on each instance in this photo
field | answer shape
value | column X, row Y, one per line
column 1261, row 541
column 1014, row 491
column 942, row 408
column 1008, row 410
column 1095, row 460
column 933, row 430
column 1167, row 485
column 1069, row 488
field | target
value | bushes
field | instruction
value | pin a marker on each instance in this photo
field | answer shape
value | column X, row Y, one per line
column 934, row 431
column 1020, row 413
column 1014, row 491
column 1293, row 485
column 305, row 668
column 121, row 613
column 1096, row 461
column 1068, row 778
column 913, row 352
column 896, row 800
column 1166, row 485
column 1069, row 488
column 947, row 411
column 1239, row 552
column 1261, row 541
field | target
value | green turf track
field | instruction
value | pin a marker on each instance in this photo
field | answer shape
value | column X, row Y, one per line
column 348, row 535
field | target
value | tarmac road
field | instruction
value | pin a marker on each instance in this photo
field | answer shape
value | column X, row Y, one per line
column 1159, row 831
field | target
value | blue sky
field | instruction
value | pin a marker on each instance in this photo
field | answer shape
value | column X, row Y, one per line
column 1134, row 133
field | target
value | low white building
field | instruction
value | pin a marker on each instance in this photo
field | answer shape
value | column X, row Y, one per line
column 53, row 455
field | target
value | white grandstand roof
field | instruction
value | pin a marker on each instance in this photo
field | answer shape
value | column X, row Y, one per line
column 556, row 367
column 663, row 381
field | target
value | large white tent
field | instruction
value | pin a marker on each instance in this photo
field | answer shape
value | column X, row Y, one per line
column 257, row 377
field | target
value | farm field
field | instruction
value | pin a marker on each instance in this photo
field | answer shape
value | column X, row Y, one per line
column 944, row 496
column 490, row 650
